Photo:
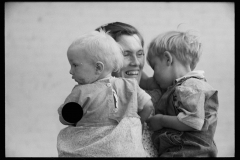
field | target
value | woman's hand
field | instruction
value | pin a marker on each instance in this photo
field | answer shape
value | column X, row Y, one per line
column 154, row 122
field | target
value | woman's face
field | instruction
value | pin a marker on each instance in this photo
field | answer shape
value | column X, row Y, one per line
column 134, row 57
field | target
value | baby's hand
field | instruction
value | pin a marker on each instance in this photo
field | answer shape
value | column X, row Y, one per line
column 154, row 122
column 72, row 112
column 60, row 110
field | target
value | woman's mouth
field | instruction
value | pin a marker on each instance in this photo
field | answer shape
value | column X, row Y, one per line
column 132, row 73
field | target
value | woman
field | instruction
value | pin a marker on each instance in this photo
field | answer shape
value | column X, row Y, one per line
column 67, row 142
column 132, row 43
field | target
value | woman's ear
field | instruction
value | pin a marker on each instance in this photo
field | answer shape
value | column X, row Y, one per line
column 99, row 67
column 168, row 57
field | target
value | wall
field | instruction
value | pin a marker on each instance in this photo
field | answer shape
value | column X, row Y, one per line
column 37, row 80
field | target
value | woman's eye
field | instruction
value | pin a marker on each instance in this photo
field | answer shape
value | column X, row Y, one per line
column 125, row 53
column 140, row 53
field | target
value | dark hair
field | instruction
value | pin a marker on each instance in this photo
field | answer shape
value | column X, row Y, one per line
column 116, row 29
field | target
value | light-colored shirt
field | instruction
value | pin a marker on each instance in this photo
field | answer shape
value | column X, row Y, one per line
column 110, row 126
column 193, row 100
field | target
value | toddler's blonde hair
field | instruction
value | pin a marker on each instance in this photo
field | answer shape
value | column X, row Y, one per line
column 185, row 46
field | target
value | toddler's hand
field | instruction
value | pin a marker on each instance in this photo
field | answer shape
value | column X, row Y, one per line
column 154, row 122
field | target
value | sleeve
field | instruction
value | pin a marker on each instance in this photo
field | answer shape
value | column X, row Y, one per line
column 190, row 104
column 142, row 97
column 72, row 97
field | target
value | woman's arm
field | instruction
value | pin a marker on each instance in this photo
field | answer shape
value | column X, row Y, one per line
column 146, row 111
column 159, row 121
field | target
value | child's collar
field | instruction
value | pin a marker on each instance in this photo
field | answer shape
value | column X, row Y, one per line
column 107, row 79
column 197, row 73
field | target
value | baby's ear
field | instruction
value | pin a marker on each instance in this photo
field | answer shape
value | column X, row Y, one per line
column 99, row 67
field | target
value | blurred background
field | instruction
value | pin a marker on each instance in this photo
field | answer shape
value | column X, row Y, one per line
column 37, row 79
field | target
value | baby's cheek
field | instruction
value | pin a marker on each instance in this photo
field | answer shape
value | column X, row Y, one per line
column 93, row 79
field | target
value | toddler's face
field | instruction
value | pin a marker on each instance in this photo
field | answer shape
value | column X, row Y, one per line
column 162, row 73
column 82, row 71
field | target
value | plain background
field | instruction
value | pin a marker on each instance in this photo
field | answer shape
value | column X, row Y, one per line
column 37, row 79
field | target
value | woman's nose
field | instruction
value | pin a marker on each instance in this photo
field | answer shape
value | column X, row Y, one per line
column 134, row 60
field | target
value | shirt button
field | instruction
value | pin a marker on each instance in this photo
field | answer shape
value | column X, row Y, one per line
column 109, row 84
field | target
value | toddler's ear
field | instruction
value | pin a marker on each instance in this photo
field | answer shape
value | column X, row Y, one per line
column 168, row 57
column 99, row 67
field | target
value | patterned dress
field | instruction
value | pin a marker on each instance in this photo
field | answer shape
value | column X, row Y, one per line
column 147, row 142
column 122, row 140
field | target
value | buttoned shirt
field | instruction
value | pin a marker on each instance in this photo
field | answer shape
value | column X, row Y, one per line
column 195, row 103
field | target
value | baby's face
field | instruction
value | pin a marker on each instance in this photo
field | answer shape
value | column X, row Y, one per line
column 82, row 70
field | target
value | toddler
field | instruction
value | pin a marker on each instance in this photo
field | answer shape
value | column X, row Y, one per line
column 185, row 118
column 113, row 108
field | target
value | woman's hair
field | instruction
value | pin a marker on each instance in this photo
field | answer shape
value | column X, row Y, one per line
column 116, row 29
column 100, row 46
column 186, row 47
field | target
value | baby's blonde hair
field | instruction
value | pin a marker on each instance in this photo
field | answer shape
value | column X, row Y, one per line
column 100, row 46
column 185, row 46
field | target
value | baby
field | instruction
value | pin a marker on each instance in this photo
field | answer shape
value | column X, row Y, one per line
column 185, row 118
column 113, row 108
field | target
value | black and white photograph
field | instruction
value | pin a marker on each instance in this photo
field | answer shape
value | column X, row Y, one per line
column 119, row 79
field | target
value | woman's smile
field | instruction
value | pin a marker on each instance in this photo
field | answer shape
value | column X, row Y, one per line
column 132, row 73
